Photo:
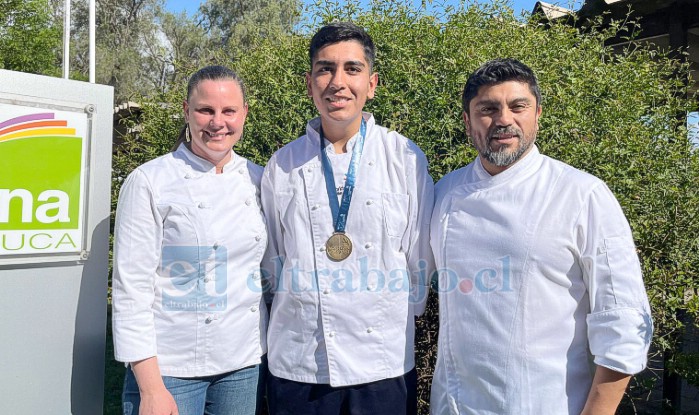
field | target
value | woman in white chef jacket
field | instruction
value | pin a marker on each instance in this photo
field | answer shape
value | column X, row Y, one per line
column 188, row 316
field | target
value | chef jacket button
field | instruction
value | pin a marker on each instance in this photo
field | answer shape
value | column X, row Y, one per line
column 326, row 291
column 331, row 334
column 258, row 238
column 207, row 279
column 248, row 202
column 371, row 163
column 322, row 249
column 315, row 207
column 187, row 176
column 200, row 205
column 309, row 169
column 208, row 320
column 253, row 309
column 370, row 287
column 369, row 202
column 369, row 330
column 216, row 245
column 241, row 170
column 368, row 245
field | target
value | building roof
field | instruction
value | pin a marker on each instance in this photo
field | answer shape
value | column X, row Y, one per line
column 551, row 11
column 665, row 24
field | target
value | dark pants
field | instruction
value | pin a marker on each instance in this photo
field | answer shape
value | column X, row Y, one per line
column 396, row 396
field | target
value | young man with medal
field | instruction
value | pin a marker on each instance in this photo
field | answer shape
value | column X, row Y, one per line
column 348, row 207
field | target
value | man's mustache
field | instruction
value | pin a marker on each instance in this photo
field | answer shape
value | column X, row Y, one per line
column 505, row 131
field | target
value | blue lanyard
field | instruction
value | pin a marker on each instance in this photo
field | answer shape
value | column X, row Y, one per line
column 340, row 211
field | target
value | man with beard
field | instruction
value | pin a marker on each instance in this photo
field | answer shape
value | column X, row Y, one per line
column 542, row 304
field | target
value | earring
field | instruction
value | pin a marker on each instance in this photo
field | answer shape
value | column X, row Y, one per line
column 187, row 134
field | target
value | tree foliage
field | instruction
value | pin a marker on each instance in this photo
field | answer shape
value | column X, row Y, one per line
column 124, row 30
column 239, row 23
column 187, row 46
column 29, row 37
column 141, row 48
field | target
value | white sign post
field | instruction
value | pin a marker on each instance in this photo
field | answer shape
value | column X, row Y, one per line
column 55, row 176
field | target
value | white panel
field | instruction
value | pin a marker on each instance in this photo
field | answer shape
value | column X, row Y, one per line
column 53, row 307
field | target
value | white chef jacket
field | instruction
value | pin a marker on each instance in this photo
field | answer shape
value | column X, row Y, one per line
column 187, row 250
column 348, row 322
column 538, row 278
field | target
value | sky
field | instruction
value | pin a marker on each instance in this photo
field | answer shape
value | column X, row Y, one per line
column 693, row 126
column 191, row 6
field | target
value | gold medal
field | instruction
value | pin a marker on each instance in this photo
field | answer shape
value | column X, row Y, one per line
column 338, row 246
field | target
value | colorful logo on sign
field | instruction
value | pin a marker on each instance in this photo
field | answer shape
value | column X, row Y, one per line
column 40, row 184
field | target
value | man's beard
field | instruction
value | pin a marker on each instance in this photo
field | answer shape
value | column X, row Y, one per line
column 503, row 157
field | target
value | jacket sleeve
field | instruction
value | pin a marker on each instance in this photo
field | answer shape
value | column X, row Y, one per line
column 619, row 324
column 421, row 263
column 274, row 255
column 137, row 250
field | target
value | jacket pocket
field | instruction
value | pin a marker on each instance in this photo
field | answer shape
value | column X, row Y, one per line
column 395, row 213
column 624, row 282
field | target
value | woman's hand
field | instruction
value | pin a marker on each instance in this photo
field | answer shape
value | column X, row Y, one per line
column 158, row 402
column 155, row 398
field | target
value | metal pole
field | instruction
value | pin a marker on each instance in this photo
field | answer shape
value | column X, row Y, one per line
column 92, row 41
column 66, row 39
